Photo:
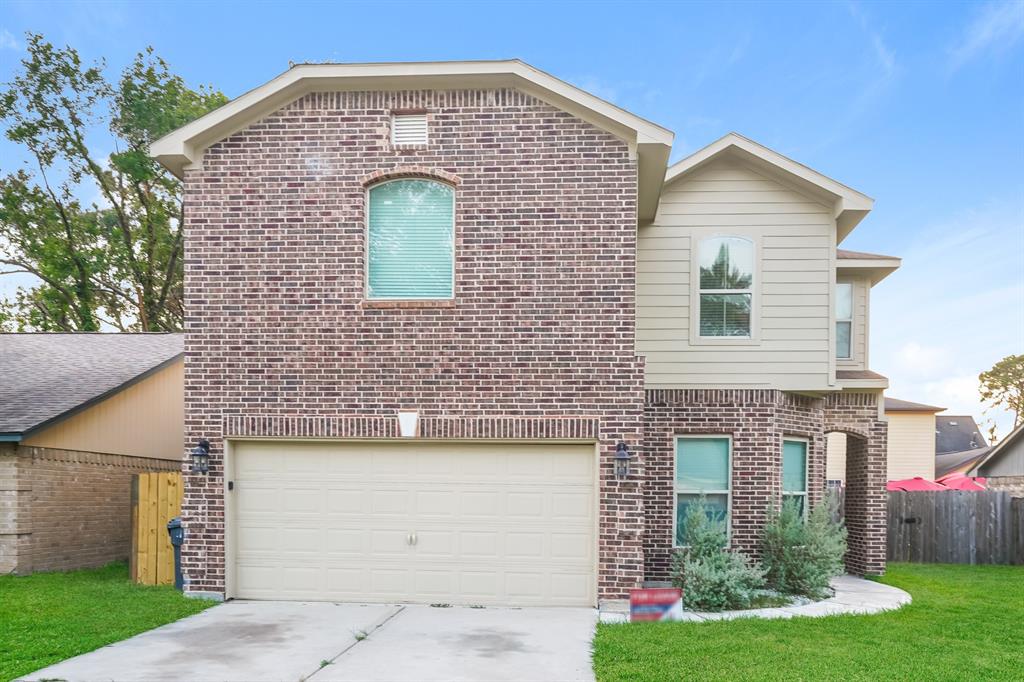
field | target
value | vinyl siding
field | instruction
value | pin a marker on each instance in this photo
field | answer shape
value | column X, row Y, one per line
column 144, row 420
column 861, row 315
column 835, row 457
column 911, row 449
column 1010, row 462
column 794, row 238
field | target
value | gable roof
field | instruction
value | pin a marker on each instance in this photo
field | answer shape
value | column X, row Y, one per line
column 957, row 433
column 185, row 146
column 959, row 462
column 1003, row 446
column 896, row 405
column 47, row 377
column 849, row 206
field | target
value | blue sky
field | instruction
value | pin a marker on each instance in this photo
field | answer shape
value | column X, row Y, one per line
column 919, row 105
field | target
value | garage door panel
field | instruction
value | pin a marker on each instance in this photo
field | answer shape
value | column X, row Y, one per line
column 493, row 524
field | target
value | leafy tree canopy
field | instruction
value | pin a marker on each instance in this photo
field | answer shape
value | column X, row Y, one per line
column 1003, row 386
column 114, row 262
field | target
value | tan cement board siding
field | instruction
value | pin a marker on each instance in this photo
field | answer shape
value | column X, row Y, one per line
column 144, row 420
column 861, row 292
column 793, row 281
column 835, row 457
column 911, row 450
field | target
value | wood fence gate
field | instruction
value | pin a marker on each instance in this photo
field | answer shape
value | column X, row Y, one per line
column 956, row 527
column 156, row 499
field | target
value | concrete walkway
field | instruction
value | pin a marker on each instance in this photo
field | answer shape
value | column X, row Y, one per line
column 852, row 595
column 248, row 641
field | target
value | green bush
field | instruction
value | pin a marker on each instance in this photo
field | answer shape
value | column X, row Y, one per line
column 801, row 557
column 711, row 577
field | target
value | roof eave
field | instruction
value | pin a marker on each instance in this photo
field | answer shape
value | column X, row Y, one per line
column 876, row 269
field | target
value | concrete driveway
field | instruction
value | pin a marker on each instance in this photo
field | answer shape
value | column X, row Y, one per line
column 247, row 641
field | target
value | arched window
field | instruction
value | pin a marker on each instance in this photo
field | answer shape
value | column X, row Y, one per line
column 410, row 240
column 726, row 282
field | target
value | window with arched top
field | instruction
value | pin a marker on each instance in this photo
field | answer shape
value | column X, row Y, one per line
column 726, row 287
column 410, row 240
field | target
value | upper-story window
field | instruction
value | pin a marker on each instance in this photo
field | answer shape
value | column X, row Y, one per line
column 410, row 240
column 726, row 286
column 844, row 320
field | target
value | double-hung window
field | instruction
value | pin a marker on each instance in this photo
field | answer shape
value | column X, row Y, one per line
column 726, row 287
column 794, row 473
column 702, row 468
column 844, row 320
column 410, row 240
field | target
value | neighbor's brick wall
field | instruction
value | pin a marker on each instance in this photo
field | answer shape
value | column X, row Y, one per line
column 70, row 510
column 757, row 421
column 1011, row 484
column 541, row 328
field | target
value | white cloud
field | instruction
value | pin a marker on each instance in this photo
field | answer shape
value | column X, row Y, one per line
column 923, row 360
column 997, row 27
column 8, row 41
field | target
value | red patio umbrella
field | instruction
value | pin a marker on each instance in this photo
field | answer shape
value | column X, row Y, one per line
column 961, row 482
column 914, row 484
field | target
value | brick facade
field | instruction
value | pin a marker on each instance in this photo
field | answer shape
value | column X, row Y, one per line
column 758, row 421
column 538, row 339
column 64, row 509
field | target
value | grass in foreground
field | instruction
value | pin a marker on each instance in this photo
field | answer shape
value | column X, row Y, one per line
column 965, row 623
column 49, row 617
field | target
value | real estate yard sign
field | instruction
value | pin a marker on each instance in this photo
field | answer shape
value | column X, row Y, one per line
column 659, row 603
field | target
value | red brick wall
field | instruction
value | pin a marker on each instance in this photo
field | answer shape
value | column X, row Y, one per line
column 69, row 510
column 757, row 421
column 541, row 328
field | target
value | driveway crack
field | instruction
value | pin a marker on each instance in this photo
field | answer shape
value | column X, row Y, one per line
column 358, row 636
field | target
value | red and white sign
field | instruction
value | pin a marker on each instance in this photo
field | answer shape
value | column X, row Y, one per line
column 657, row 603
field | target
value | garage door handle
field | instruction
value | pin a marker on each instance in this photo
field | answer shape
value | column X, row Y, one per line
column 414, row 538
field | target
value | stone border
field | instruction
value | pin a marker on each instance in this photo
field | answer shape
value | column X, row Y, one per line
column 852, row 595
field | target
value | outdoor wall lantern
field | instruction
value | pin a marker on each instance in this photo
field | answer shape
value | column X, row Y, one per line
column 201, row 457
column 622, row 459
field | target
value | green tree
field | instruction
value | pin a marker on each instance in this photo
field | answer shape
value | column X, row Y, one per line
column 1002, row 387
column 116, row 261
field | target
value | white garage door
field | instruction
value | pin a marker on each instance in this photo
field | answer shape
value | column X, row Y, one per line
column 430, row 523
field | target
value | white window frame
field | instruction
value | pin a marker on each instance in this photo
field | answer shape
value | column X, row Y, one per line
column 853, row 303
column 366, row 239
column 697, row 237
column 807, row 470
column 677, row 490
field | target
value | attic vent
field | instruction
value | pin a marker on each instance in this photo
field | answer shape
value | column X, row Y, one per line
column 409, row 129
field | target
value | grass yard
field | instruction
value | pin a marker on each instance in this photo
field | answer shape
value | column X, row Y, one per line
column 48, row 617
column 966, row 623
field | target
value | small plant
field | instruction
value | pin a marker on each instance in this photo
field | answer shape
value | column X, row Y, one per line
column 801, row 557
column 360, row 635
column 712, row 578
column 324, row 663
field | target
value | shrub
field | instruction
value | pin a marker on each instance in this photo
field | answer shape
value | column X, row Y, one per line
column 711, row 577
column 801, row 557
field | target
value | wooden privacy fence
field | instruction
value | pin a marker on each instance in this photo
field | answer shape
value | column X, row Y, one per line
column 956, row 527
column 156, row 499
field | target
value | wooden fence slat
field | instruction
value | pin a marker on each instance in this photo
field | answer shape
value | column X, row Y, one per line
column 955, row 526
column 156, row 499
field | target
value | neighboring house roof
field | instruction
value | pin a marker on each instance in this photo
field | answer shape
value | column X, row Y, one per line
column 185, row 146
column 47, row 377
column 1002, row 447
column 897, row 405
column 849, row 205
column 957, row 433
column 959, row 462
column 874, row 265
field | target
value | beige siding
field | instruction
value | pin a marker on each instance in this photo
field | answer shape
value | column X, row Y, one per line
column 835, row 457
column 861, row 316
column 911, row 450
column 794, row 237
column 144, row 420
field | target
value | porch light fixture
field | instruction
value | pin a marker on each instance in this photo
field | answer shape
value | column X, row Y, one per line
column 201, row 457
column 622, row 459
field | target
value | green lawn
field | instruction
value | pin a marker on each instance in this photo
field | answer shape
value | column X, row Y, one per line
column 966, row 623
column 48, row 617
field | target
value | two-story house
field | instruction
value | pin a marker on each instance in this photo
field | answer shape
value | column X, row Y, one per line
column 457, row 333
